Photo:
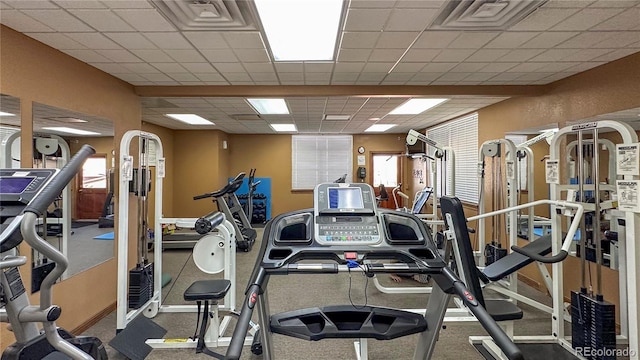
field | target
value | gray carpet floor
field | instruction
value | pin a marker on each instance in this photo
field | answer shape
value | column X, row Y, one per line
column 300, row 291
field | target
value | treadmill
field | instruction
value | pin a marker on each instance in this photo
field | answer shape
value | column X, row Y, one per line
column 346, row 232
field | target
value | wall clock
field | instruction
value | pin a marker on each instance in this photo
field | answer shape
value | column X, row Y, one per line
column 361, row 150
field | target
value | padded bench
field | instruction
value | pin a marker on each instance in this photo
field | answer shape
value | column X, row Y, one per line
column 209, row 292
column 516, row 261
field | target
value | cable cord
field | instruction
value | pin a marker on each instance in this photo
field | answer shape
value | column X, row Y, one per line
column 179, row 273
column 350, row 264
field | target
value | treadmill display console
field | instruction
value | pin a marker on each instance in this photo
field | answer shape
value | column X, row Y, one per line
column 14, row 185
column 346, row 214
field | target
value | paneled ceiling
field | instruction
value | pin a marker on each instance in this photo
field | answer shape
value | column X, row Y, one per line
column 380, row 43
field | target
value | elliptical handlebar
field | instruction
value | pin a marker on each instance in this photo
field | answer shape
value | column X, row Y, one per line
column 52, row 190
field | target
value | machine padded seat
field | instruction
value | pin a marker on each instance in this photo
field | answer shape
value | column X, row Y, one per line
column 502, row 310
column 516, row 261
column 207, row 290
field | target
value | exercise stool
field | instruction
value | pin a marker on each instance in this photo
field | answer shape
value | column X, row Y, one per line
column 209, row 292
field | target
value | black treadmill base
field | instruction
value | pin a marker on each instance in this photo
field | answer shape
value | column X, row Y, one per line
column 534, row 352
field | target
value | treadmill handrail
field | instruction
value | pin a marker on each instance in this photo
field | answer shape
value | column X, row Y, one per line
column 225, row 190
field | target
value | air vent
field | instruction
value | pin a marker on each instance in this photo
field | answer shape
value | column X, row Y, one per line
column 331, row 117
column 484, row 14
column 246, row 117
column 218, row 15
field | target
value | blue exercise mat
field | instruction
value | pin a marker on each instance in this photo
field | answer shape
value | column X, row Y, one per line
column 538, row 232
column 107, row 236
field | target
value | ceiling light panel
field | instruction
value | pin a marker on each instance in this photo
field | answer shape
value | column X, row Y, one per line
column 269, row 106
column 284, row 127
column 68, row 130
column 308, row 31
column 416, row 106
column 190, row 119
column 379, row 127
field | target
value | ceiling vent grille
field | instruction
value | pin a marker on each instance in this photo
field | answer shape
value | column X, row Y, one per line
column 218, row 15
column 484, row 14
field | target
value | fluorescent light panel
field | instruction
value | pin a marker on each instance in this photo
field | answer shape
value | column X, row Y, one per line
column 284, row 127
column 416, row 106
column 379, row 127
column 2, row 113
column 191, row 119
column 301, row 30
column 337, row 117
column 68, row 130
column 269, row 106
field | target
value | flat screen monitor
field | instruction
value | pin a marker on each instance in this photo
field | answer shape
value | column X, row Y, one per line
column 421, row 199
column 345, row 198
column 14, row 185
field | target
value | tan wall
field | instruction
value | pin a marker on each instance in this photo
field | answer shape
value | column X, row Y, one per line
column 34, row 72
column 609, row 88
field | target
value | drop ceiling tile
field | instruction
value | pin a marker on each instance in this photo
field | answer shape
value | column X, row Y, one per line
column 472, row 40
column 614, row 3
column 252, row 55
column 388, row 55
column 396, row 39
column 453, row 55
column 102, row 20
column 467, row 67
column 223, row 55
column 497, row 67
column 525, row 67
column 318, row 67
column 543, row 19
column 419, row 4
column 291, row 76
column 359, row 39
column 586, row 54
column 169, row 67
column 199, row 67
column 349, row 67
column 225, row 68
column 548, row 40
column 410, row 19
column 185, row 55
column 377, row 67
column 420, row 55
column 431, row 39
column 131, row 77
column 292, row 82
column 627, row 20
column 520, row 55
column 80, row 4
column 145, row 19
column 617, row 54
column 556, row 66
column 259, row 67
column 586, row 66
column 131, row 40
column 57, row 41
column 140, row 68
column 510, row 40
column 244, row 40
column 479, row 76
column 586, row 19
column 119, row 55
column 619, row 39
column 366, row 19
column 206, row 39
column 58, row 20
column 168, row 40
column 156, row 77
column 553, row 55
column 152, row 55
column 485, row 55
column 209, row 77
column 289, row 67
column 87, row 56
column 408, row 67
column 110, row 68
column 317, row 76
column 452, row 76
column 95, row 41
column 354, row 55
column 437, row 67
column 568, row 3
column 22, row 4
column 21, row 22
column 370, row 76
column 584, row 40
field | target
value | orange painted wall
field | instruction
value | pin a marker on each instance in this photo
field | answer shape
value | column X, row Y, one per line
column 34, row 72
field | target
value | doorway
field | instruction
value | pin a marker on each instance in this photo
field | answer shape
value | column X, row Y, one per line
column 92, row 188
column 386, row 169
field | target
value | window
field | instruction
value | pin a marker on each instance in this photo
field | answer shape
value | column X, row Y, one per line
column 462, row 136
column 94, row 173
column 320, row 159
column 385, row 170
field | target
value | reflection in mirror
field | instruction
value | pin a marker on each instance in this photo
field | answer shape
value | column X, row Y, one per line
column 9, row 132
column 72, row 222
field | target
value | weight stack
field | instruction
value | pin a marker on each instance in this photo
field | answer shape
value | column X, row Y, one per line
column 140, row 285
column 593, row 326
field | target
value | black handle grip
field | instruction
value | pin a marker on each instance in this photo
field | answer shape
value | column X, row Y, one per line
column 209, row 222
column 242, row 326
column 203, row 196
column 611, row 235
column 42, row 201
column 540, row 258
column 320, row 268
column 501, row 339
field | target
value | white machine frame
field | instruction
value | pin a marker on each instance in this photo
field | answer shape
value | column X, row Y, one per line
column 155, row 305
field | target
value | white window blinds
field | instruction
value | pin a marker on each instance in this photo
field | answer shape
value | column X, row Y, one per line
column 462, row 135
column 320, row 159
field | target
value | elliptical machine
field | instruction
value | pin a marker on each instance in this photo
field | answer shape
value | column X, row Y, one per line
column 247, row 207
column 25, row 195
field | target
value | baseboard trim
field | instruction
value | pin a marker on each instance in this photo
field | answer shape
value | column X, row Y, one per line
column 94, row 319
